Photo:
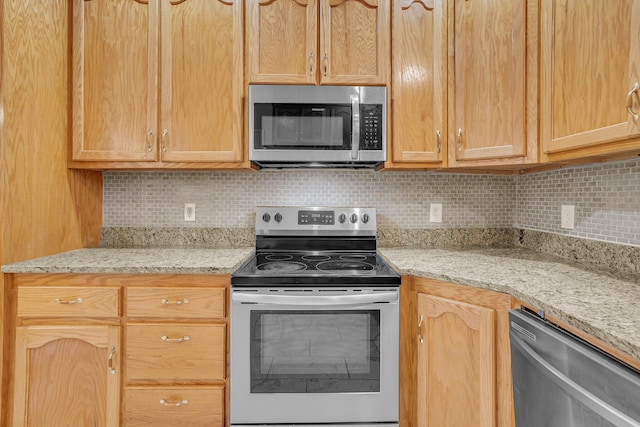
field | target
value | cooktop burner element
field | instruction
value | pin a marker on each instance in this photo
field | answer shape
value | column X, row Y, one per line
column 315, row 246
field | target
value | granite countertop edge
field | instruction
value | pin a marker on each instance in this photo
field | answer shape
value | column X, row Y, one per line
column 594, row 301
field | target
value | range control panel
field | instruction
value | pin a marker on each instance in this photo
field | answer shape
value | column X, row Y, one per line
column 315, row 220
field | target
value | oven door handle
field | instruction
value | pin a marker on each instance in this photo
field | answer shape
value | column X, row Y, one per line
column 329, row 300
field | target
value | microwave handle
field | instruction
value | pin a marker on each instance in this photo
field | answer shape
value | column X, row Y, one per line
column 328, row 300
column 355, row 130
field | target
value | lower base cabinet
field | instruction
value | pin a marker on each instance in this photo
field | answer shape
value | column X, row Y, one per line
column 455, row 360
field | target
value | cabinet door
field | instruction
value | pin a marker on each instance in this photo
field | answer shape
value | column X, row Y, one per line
column 282, row 40
column 202, row 81
column 489, row 65
column 115, row 77
column 590, row 54
column 67, row 376
column 419, row 85
column 456, row 363
column 354, row 42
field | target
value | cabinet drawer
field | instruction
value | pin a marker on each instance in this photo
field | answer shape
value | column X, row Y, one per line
column 171, row 352
column 195, row 303
column 174, row 406
column 45, row 301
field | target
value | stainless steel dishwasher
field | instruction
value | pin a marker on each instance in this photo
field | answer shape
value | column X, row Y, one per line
column 561, row 381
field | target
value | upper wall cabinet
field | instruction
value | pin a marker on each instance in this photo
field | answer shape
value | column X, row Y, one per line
column 419, row 83
column 156, row 83
column 318, row 41
column 590, row 78
column 493, row 90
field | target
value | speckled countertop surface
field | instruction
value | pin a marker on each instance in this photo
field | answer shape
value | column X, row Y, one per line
column 596, row 302
column 599, row 303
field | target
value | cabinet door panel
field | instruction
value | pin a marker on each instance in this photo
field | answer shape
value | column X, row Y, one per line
column 419, row 85
column 489, row 60
column 201, row 81
column 354, row 44
column 115, row 80
column 590, row 53
column 456, row 363
column 63, row 376
column 282, row 38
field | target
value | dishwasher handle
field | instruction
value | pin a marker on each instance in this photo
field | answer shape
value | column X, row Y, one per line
column 603, row 409
column 317, row 300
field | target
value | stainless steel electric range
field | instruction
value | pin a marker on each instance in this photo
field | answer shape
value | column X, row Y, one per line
column 315, row 323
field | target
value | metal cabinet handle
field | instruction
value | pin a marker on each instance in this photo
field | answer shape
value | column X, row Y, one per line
column 69, row 302
column 325, row 64
column 634, row 115
column 110, row 361
column 149, row 140
column 459, row 139
column 178, row 302
column 181, row 339
column 165, row 402
column 420, row 337
column 165, row 140
column 438, row 141
column 311, row 63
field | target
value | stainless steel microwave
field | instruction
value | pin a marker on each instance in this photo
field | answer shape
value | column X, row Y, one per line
column 317, row 126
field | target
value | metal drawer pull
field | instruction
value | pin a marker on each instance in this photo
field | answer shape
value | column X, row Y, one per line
column 178, row 302
column 633, row 114
column 420, row 337
column 184, row 338
column 165, row 402
column 110, row 361
column 73, row 301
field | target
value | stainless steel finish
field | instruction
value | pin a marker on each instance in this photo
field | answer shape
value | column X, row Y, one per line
column 559, row 380
column 274, row 409
column 301, row 94
column 365, row 297
column 324, row 425
column 355, row 133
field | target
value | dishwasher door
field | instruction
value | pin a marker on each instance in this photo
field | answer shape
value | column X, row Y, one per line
column 560, row 381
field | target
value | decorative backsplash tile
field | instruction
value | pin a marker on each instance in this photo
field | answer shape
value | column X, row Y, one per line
column 606, row 198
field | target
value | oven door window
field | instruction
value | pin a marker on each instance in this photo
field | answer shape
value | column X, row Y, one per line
column 302, row 126
column 315, row 351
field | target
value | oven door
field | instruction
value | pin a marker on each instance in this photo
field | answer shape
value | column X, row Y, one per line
column 314, row 356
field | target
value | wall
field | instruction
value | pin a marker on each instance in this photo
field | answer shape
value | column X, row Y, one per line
column 606, row 198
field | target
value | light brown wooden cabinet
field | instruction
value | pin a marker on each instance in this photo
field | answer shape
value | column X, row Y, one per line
column 456, row 367
column 493, row 89
column 590, row 54
column 318, row 41
column 156, row 84
column 418, row 84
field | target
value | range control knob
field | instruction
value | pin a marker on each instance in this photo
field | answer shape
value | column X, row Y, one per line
column 365, row 218
column 278, row 217
column 342, row 218
column 353, row 218
column 266, row 217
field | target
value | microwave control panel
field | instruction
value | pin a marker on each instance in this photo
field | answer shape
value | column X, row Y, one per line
column 370, row 126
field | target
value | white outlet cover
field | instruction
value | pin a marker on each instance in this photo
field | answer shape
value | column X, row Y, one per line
column 189, row 211
column 435, row 212
column 567, row 217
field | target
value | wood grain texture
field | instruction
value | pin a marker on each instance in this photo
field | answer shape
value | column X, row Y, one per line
column 64, row 302
column 202, row 106
column 282, row 41
column 204, row 407
column 150, row 359
column 65, row 369
column 418, row 89
column 584, row 82
column 181, row 302
column 354, row 42
column 408, row 354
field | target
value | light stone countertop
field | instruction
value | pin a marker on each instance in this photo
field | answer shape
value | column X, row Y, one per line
column 605, row 306
column 596, row 302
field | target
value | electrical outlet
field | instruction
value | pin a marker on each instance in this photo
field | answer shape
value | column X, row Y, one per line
column 189, row 211
column 435, row 212
column 567, row 217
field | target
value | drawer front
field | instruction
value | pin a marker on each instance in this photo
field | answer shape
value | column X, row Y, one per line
column 45, row 301
column 195, row 303
column 173, row 352
column 174, row 406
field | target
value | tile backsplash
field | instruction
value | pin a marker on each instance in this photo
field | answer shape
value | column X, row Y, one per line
column 606, row 198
